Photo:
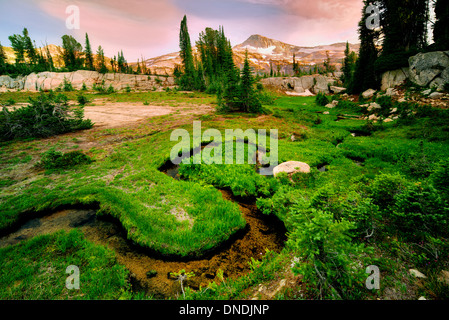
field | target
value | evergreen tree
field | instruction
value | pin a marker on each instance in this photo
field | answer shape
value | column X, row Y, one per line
column 71, row 53
column 187, row 80
column 404, row 25
column 18, row 45
column 295, row 66
column 248, row 99
column 29, row 47
column 101, row 64
column 441, row 26
column 89, row 58
column 49, row 59
column 365, row 76
column 122, row 64
column 348, row 66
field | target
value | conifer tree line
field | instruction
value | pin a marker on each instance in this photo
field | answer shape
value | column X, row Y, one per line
column 31, row 58
column 404, row 29
column 212, row 69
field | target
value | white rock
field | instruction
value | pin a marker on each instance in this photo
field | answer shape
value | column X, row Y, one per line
column 368, row 94
column 427, row 92
column 417, row 274
column 337, row 90
column 374, row 105
column 388, row 120
column 291, row 167
column 326, row 112
column 436, row 95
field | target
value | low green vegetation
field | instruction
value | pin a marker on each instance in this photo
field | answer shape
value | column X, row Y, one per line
column 36, row 270
column 46, row 115
column 381, row 200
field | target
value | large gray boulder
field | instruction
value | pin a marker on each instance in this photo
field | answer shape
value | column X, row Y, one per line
column 393, row 78
column 427, row 67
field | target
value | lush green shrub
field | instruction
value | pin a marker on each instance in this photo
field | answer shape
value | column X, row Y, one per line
column 53, row 159
column 419, row 211
column 386, row 103
column 266, row 98
column 384, row 189
column 333, row 264
column 9, row 102
column 321, row 99
column 82, row 100
column 110, row 89
column 440, row 177
column 47, row 115
column 67, row 85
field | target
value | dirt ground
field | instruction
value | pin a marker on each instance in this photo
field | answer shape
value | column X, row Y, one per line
column 114, row 115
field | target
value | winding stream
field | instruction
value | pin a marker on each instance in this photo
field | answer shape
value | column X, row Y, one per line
column 148, row 272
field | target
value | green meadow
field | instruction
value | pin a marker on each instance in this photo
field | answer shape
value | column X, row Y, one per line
column 382, row 199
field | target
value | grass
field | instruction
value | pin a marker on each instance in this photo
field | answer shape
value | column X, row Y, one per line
column 124, row 177
column 35, row 270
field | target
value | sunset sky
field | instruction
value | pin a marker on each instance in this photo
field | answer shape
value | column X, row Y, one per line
column 151, row 27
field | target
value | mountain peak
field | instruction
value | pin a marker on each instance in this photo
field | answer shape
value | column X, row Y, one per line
column 258, row 41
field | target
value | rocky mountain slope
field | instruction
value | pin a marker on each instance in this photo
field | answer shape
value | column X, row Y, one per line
column 265, row 53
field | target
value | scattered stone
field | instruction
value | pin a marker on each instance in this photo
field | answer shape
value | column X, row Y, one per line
column 330, row 106
column 337, row 90
column 436, row 95
column 368, row 94
column 291, row 167
column 373, row 117
column 374, row 105
column 417, row 274
column 293, row 138
column 427, row 92
column 326, row 112
column 422, row 298
column 391, row 92
column 394, row 110
column 388, row 120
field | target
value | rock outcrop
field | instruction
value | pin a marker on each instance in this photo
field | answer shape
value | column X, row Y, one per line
column 391, row 79
column 430, row 69
column 53, row 80
column 313, row 83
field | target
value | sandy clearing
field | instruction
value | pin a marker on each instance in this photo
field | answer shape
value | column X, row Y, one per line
column 112, row 115
column 119, row 114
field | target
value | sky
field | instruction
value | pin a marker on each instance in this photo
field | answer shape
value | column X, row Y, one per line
column 150, row 28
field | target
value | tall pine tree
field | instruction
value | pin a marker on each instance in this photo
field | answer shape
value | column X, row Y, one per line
column 365, row 76
column 441, row 27
column 187, row 80
column 248, row 98
column 101, row 63
column 88, row 56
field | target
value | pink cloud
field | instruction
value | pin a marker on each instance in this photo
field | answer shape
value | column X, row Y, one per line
column 138, row 27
